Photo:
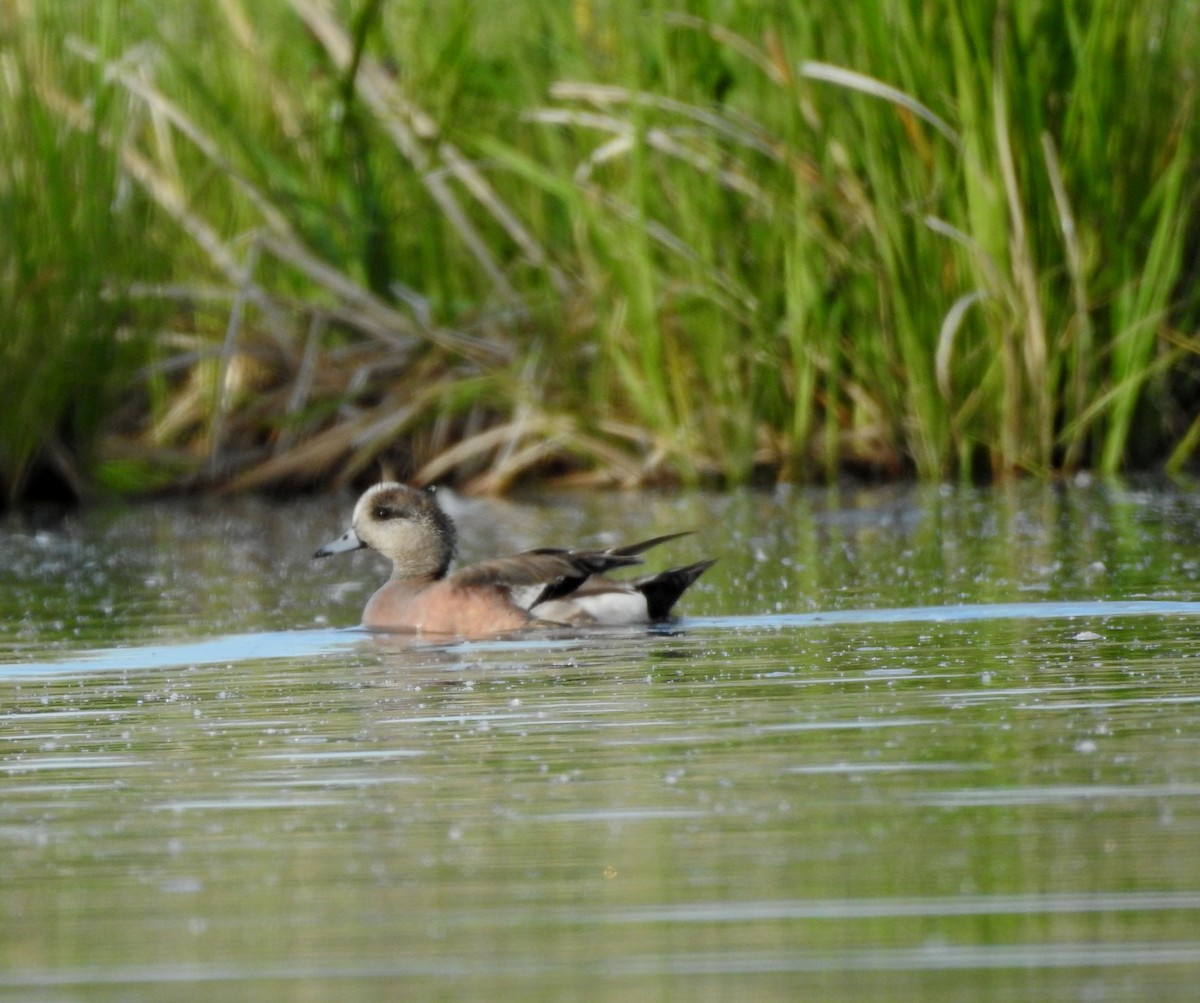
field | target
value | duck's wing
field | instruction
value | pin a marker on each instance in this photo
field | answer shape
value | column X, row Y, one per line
column 632, row 549
column 537, row 575
column 599, row 562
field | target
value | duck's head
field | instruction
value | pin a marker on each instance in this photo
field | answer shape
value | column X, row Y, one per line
column 404, row 524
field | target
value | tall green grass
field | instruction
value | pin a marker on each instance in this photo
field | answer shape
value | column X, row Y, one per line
column 71, row 235
column 635, row 242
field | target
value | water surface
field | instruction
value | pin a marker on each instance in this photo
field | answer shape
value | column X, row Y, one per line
column 921, row 743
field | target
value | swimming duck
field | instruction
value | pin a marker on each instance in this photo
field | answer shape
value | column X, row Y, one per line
column 543, row 587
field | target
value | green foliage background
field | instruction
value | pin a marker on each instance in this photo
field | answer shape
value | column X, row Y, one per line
column 264, row 244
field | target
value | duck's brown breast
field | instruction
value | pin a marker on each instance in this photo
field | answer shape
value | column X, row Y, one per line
column 440, row 607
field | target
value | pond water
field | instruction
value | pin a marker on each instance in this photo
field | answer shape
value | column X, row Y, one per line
column 920, row 743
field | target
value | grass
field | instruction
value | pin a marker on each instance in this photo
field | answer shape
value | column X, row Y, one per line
column 68, row 349
column 616, row 242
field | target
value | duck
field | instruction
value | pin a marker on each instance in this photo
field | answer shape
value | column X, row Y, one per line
column 545, row 587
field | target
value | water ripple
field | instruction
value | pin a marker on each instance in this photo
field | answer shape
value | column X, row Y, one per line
column 314, row 643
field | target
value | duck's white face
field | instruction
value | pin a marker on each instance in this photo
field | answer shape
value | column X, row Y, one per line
column 403, row 524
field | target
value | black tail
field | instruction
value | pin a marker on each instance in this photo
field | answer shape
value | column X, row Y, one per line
column 663, row 590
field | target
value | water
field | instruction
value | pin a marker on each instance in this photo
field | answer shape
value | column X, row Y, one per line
column 917, row 743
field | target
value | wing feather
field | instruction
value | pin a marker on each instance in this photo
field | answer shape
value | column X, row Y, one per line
column 550, row 573
column 558, row 571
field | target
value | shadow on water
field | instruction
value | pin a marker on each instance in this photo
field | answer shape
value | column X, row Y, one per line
column 907, row 742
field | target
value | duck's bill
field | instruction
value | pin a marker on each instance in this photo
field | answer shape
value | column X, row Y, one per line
column 346, row 542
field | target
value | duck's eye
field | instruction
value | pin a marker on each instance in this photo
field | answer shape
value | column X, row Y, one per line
column 385, row 512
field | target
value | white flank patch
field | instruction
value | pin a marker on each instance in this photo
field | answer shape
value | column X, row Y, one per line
column 610, row 608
